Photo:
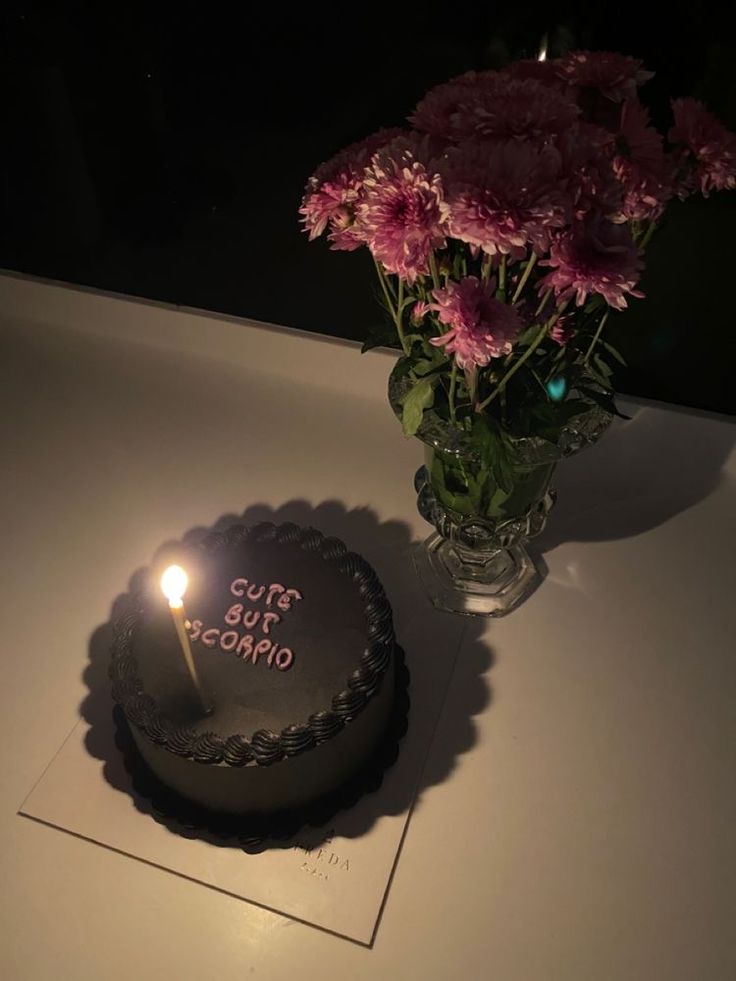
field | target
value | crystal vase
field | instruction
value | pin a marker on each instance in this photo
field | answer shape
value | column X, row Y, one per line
column 477, row 561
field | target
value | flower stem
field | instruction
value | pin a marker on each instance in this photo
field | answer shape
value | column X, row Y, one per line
column 543, row 330
column 502, row 279
column 388, row 290
column 433, row 270
column 541, row 384
column 485, row 268
column 525, row 276
column 543, row 302
column 400, row 317
column 471, row 380
column 596, row 336
column 384, row 287
column 555, row 361
column 451, row 396
column 647, row 235
column 396, row 313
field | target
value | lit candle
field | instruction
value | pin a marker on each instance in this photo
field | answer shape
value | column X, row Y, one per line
column 542, row 56
column 174, row 584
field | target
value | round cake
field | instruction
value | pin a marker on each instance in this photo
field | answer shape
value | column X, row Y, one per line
column 293, row 645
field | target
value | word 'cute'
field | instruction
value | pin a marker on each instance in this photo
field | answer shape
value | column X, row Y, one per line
column 245, row 645
column 241, row 587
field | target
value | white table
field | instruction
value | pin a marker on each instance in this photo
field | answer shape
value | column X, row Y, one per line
column 585, row 830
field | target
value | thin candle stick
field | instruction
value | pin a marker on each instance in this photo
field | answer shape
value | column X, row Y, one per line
column 173, row 585
column 177, row 615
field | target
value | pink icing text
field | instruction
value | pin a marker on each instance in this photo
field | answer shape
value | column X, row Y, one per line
column 244, row 646
column 242, row 587
column 248, row 645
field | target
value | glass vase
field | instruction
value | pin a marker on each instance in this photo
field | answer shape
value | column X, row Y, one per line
column 477, row 561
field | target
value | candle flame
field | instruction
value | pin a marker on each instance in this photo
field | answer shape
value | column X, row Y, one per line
column 174, row 584
column 542, row 56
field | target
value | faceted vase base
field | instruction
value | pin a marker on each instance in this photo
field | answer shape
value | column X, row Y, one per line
column 475, row 583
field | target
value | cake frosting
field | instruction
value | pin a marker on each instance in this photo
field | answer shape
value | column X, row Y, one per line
column 293, row 640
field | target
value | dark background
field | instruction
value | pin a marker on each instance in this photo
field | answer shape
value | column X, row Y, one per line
column 162, row 150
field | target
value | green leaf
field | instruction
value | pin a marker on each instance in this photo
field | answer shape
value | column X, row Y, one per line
column 423, row 368
column 380, row 335
column 401, row 370
column 614, row 353
column 476, row 485
column 413, row 339
column 502, row 472
column 603, row 399
column 485, row 434
column 594, row 303
column 602, row 367
column 500, row 496
column 527, row 336
column 600, row 379
column 433, row 353
column 495, row 450
column 419, row 398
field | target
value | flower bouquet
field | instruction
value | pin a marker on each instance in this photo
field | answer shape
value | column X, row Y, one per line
column 506, row 223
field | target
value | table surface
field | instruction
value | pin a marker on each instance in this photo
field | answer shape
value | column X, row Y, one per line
column 577, row 807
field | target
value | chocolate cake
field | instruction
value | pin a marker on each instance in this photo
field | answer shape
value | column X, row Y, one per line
column 293, row 642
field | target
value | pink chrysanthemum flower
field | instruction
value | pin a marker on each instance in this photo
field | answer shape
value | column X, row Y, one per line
column 547, row 72
column 615, row 76
column 334, row 189
column 706, row 151
column 481, row 327
column 640, row 165
column 587, row 164
column 511, row 108
column 436, row 111
column 594, row 257
column 420, row 311
column 563, row 329
column 494, row 105
column 504, row 197
column 332, row 204
column 403, row 213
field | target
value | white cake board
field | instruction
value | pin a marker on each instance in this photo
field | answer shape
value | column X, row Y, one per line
column 335, row 878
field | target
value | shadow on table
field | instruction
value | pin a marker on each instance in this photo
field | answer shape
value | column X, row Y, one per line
column 642, row 473
column 387, row 546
